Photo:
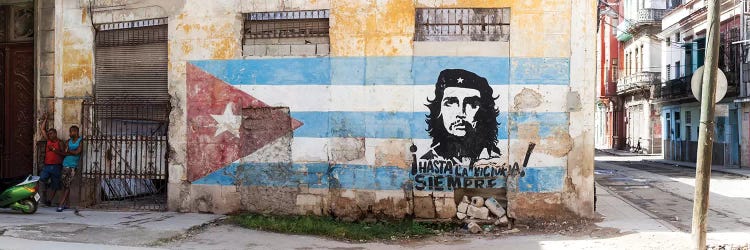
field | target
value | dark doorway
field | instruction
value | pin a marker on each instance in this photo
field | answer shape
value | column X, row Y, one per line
column 17, row 99
column 16, row 90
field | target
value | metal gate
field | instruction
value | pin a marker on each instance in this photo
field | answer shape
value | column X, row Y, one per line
column 124, row 156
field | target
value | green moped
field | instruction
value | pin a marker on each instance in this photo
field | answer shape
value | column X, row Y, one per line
column 20, row 194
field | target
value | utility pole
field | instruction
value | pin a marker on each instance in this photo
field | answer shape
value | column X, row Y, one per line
column 706, row 132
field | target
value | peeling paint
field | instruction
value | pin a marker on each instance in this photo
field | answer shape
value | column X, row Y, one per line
column 392, row 153
column 527, row 99
column 346, row 149
column 574, row 101
column 186, row 48
column 78, row 62
column 84, row 15
column 558, row 145
column 226, row 48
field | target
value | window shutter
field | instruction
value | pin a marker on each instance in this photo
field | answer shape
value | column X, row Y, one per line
column 131, row 64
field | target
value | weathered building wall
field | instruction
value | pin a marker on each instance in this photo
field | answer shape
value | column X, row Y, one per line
column 72, row 49
column 45, row 47
column 345, row 134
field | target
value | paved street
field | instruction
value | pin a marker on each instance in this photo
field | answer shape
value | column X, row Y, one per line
column 644, row 205
column 666, row 192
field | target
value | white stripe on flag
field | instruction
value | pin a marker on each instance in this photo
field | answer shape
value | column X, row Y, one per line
column 399, row 98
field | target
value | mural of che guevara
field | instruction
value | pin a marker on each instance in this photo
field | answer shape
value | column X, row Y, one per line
column 463, row 126
column 463, row 119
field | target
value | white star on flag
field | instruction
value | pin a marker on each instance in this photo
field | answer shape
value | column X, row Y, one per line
column 228, row 122
column 460, row 80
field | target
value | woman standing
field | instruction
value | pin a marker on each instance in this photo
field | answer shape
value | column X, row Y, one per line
column 70, row 163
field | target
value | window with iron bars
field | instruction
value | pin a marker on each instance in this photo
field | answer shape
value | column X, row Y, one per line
column 286, row 33
column 730, row 55
column 614, row 69
column 476, row 24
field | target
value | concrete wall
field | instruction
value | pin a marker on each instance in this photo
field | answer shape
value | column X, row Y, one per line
column 344, row 134
column 45, row 56
column 67, row 48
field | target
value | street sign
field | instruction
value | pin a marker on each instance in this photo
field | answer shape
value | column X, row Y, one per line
column 697, row 80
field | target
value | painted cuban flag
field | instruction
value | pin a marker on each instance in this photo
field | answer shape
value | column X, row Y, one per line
column 378, row 123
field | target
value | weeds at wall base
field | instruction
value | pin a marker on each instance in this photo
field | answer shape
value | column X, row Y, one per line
column 340, row 230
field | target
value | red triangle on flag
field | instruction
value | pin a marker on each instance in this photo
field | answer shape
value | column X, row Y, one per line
column 216, row 132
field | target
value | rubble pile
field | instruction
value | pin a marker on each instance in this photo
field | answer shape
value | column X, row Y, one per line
column 479, row 211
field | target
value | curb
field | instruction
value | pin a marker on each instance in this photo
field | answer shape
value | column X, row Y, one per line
column 682, row 165
column 161, row 242
column 624, row 154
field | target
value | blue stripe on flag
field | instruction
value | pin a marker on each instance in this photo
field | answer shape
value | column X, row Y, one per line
column 278, row 71
column 495, row 69
column 549, row 71
column 549, row 122
column 320, row 175
column 398, row 70
column 542, row 180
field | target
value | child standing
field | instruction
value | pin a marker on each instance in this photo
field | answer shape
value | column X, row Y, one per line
column 70, row 163
column 53, row 158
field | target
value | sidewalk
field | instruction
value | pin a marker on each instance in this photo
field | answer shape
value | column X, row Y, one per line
column 625, row 153
column 98, row 227
column 658, row 159
column 10, row 243
column 718, row 168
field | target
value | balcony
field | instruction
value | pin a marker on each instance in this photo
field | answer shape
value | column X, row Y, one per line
column 648, row 16
column 674, row 89
column 623, row 35
column 637, row 81
column 626, row 29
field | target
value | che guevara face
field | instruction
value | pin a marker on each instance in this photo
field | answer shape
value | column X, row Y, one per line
column 458, row 109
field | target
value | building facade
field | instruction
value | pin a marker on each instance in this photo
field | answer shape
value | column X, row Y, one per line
column 609, row 122
column 684, row 43
column 641, row 72
column 353, row 109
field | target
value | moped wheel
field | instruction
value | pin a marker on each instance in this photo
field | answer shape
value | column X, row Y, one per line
column 32, row 205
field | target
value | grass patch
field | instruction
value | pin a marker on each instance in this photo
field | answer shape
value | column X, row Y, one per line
column 329, row 227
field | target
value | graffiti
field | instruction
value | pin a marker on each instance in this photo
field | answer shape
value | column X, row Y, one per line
column 463, row 125
column 446, row 175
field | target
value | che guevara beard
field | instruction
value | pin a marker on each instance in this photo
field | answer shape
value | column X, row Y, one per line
column 452, row 146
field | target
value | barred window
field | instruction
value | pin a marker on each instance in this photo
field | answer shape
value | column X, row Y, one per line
column 614, row 69
column 286, row 33
column 476, row 24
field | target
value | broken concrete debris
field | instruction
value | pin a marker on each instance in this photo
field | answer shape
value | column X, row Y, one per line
column 503, row 220
column 480, row 211
column 461, row 216
column 474, row 228
column 462, row 207
column 494, row 207
column 477, row 201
